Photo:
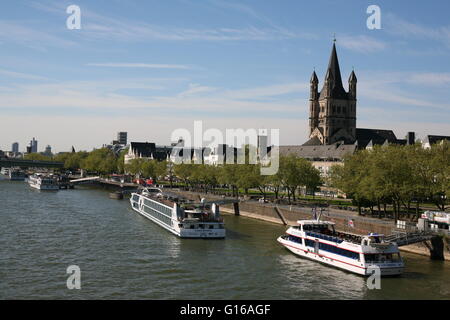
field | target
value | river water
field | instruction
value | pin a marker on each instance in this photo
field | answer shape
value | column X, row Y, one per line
column 125, row 256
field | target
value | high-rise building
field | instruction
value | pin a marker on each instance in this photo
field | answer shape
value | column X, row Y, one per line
column 33, row 146
column 48, row 150
column 122, row 138
column 15, row 147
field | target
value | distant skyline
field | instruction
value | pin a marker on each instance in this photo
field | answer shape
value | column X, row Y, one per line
column 150, row 67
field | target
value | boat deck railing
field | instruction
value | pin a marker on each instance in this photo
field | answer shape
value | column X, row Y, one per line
column 324, row 237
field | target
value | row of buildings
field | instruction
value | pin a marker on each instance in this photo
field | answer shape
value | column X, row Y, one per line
column 32, row 147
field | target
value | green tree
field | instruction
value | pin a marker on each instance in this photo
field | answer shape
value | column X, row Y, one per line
column 102, row 161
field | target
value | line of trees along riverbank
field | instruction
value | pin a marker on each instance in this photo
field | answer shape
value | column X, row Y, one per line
column 294, row 173
column 384, row 178
column 399, row 176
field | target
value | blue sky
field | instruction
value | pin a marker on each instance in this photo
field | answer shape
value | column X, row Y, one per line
column 150, row 67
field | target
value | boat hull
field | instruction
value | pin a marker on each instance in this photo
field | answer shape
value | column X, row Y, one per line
column 17, row 178
column 44, row 187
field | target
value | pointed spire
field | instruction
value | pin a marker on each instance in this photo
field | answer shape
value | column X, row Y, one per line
column 352, row 77
column 314, row 78
column 333, row 76
column 333, row 66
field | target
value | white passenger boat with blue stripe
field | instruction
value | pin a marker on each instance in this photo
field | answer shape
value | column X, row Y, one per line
column 178, row 215
column 317, row 240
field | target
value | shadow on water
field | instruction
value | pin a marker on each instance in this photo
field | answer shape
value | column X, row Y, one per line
column 232, row 234
column 413, row 275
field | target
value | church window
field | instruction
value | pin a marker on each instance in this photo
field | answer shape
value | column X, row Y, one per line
column 344, row 110
column 339, row 109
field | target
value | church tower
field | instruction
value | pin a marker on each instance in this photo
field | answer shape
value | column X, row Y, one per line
column 332, row 110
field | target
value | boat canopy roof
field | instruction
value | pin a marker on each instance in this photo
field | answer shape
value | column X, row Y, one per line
column 314, row 222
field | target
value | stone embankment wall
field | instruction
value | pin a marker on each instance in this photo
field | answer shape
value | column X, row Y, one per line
column 267, row 212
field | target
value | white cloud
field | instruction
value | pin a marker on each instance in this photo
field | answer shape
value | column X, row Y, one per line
column 32, row 37
column 155, row 128
column 400, row 27
column 430, row 79
column 21, row 75
column 196, row 89
column 97, row 26
column 268, row 91
column 140, row 65
column 361, row 43
column 104, row 94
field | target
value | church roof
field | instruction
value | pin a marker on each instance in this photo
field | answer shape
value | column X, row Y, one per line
column 375, row 137
column 335, row 151
column 143, row 149
column 314, row 141
column 334, row 71
column 431, row 139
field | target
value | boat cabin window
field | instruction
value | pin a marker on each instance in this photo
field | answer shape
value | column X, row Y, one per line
column 382, row 257
column 320, row 228
column 376, row 239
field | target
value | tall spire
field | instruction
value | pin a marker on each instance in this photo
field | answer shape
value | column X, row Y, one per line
column 314, row 77
column 333, row 66
column 334, row 72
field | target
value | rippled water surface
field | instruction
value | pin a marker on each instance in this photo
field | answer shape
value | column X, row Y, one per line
column 124, row 256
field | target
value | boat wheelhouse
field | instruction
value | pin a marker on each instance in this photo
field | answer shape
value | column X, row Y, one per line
column 42, row 182
column 178, row 215
column 437, row 220
column 319, row 241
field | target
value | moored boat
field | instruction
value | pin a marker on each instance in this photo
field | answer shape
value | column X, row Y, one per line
column 178, row 215
column 42, row 182
column 16, row 175
column 317, row 240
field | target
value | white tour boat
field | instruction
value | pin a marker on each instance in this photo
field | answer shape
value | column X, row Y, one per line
column 317, row 240
column 42, row 182
column 179, row 216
